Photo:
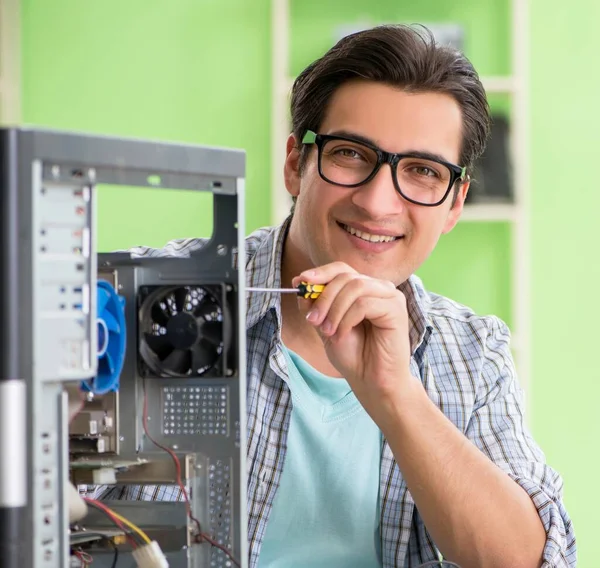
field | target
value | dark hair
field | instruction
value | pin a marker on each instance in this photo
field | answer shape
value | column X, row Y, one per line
column 400, row 56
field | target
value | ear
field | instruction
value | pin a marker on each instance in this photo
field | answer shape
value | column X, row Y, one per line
column 457, row 207
column 291, row 174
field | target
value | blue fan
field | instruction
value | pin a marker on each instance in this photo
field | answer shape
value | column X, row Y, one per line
column 111, row 340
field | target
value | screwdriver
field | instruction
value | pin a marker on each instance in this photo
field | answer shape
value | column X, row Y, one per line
column 304, row 289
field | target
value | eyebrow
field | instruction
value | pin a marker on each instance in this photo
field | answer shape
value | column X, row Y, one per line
column 416, row 153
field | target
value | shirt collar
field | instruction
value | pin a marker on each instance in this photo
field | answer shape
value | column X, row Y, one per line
column 418, row 304
column 263, row 270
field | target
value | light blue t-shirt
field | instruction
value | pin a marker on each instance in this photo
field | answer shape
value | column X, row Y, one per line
column 326, row 510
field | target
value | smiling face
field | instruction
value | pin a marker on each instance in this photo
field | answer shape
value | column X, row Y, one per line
column 355, row 225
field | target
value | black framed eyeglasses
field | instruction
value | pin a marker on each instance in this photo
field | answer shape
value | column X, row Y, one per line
column 418, row 177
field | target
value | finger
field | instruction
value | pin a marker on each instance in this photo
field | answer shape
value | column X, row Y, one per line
column 382, row 313
column 323, row 274
column 358, row 291
column 321, row 306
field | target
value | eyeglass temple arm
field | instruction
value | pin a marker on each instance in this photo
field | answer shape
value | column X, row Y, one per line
column 309, row 138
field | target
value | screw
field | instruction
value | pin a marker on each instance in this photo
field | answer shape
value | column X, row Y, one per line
column 55, row 172
column 175, row 446
column 229, row 372
column 229, row 287
column 221, row 250
column 121, row 438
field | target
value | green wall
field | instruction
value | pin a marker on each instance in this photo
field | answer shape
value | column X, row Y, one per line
column 199, row 71
column 184, row 70
column 565, row 45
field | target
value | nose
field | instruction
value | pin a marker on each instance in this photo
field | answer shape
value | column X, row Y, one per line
column 379, row 197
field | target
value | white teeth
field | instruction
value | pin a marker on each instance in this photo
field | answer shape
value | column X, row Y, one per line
column 369, row 237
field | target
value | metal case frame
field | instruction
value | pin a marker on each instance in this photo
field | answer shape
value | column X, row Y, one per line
column 34, row 369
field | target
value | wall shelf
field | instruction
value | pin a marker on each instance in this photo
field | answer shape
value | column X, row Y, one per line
column 500, row 84
column 485, row 212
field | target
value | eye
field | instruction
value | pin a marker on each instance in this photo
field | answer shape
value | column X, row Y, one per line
column 425, row 171
column 348, row 153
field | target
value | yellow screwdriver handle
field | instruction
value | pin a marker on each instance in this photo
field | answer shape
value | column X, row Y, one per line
column 310, row 291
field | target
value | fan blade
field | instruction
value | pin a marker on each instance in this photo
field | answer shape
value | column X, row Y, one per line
column 102, row 299
column 158, row 314
column 212, row 331
column 208, row 309
column 178, row 361
column 204, row 355
column 111, row 322
column 159, row 344
column 180, row 297
column 106, row 365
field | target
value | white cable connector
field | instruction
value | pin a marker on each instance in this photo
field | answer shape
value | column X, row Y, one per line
column 150, row 556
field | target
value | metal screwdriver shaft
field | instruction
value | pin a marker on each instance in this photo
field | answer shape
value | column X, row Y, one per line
column 278, row 290
column 305, row 290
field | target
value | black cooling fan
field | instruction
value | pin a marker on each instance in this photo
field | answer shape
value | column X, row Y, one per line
column 183, row 330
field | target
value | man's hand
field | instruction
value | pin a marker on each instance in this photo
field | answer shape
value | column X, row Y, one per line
column 363, row 322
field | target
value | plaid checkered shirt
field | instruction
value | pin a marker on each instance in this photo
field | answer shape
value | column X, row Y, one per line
column 465, row 365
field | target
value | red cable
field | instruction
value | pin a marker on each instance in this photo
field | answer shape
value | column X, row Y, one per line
column 126, row 530
column 180, row 483
column 86, row 559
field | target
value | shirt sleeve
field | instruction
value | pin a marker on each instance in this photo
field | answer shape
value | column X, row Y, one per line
column 180, row 248
column 135, row 493
column 497, row 427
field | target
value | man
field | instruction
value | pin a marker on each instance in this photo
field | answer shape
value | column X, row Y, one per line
column 385, row 423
